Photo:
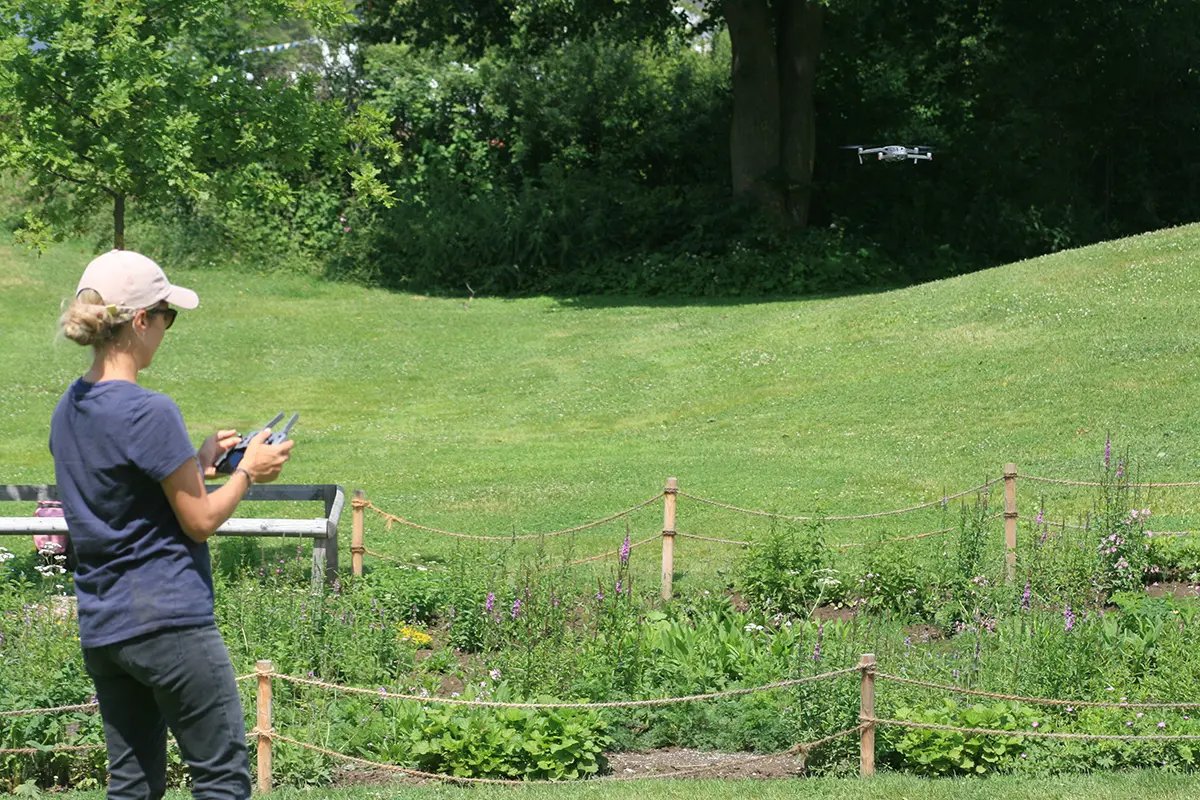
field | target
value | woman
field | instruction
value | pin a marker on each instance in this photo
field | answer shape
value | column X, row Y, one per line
column 139, row 516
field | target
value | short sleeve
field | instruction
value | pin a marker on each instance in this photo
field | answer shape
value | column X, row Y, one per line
column 158, row 439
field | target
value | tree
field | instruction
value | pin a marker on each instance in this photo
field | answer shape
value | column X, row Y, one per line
column 107, row 101
column 776, row 43
column 772, row 143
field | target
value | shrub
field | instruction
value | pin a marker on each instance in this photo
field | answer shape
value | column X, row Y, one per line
column 942, row 753
column 511, row 743
column 893, row 582
column 788, row 572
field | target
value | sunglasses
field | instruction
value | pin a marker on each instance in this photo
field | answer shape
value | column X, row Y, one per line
column 169, row 314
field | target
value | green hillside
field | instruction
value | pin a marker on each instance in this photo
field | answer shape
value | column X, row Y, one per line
column 496, row 415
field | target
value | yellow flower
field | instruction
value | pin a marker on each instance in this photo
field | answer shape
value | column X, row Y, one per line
column 417, row 637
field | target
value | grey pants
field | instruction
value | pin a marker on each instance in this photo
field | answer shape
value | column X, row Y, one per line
column 180, row 679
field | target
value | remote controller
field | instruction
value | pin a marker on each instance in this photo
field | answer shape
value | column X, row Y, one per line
column 229, row 460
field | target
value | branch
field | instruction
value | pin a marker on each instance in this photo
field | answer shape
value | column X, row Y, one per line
column 64, row 101
column 80, row 181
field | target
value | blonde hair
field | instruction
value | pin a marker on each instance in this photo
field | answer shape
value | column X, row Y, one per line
column 87, row 320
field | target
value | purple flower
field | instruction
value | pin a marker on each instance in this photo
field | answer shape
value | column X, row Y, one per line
column 516, row 611
column 1026, row 597
column 1041, row 515
column 624, row 555
column 816, row 655
column 491, row 602
column 1120, row 468
column 1068, row 618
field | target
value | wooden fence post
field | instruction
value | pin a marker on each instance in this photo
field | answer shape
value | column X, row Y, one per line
column 866, row 711
column 1010, row 522
column 356, row 532
column 264, row 670
column 668, row 536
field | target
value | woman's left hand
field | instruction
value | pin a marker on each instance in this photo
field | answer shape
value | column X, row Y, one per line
column 212, row 449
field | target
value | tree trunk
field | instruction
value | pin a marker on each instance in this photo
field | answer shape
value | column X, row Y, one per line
column 798, row 38
column 118, row 222
column 754, row 135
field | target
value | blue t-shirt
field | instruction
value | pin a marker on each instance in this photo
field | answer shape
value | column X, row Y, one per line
column 138, row 572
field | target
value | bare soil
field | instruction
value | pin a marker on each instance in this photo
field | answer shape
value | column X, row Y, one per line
column 655, row 763
column 1180, row 590
column 839, row 613
column 679, row 760
column 923, row 633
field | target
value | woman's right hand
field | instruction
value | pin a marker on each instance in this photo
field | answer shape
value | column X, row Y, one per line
column 265, row 461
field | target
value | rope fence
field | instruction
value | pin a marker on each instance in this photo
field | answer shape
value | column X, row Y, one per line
column 392, row 518
column 265, row 735
column 831, row 518
column 1068, row 526
column 656, row 701
column 669, row 496
column 930, row 726
column 1061, row 482
column 1042, row 701
column 802, row 750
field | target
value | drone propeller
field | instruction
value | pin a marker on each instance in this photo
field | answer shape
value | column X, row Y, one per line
column 852, row 146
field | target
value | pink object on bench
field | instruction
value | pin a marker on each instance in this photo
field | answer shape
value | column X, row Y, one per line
column 48, row 541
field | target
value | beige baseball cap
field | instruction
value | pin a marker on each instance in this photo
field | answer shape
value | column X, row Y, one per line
column 131, row 280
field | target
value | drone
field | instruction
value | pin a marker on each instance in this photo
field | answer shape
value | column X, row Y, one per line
column 893, row 152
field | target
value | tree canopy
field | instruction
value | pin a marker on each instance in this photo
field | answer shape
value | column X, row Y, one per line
column 103, row 101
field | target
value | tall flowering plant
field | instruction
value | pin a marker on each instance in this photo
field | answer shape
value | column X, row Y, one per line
column 1123, row 546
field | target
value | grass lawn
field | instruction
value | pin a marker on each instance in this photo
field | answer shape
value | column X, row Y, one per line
column 1134, row 786
column 527, row 415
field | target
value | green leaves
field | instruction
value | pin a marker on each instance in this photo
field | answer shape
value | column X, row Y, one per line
column 942, row 753
column 153, row 101
column 559, row 744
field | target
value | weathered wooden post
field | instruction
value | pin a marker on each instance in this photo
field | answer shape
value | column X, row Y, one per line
column 866, row 712
column 359, row 503
column 668, row 536
column 264, row 670
column 1010, row 522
